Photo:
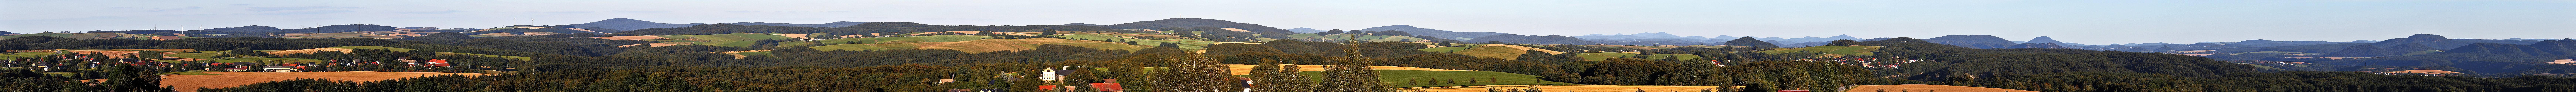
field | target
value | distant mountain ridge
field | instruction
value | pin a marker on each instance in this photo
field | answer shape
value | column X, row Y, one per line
column 1431, row 32
column 340, row 28
column 1973, row 41
column 1198, row 22
column 253, row 28
column 632, row 24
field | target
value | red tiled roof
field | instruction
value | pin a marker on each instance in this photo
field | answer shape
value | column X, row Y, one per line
column 1046, row 88
column 1107, row 87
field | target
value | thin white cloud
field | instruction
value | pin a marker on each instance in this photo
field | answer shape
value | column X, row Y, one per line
column 650, row 11
column 295, row 8
column 431, row 12
column 305, row 12
column 570, row 12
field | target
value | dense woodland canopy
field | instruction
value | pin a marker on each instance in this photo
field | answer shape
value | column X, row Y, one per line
column 573, row 62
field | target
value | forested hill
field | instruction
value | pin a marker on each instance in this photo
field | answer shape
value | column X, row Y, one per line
column 1198, row 22
column 1957, row 61
column 833, row 24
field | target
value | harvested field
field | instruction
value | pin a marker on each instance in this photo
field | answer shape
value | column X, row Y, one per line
column 1589, row 88
column 797, row 36
column 1247, row 69
column 1236, row 30
column 188, row 83
column 1500, row 51
column 1928, row 88
column 2424, row 72
column 737, row 56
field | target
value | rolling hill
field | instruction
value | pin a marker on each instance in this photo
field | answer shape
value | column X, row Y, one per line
column 100, row 36
column 1197, row 22
column 985, row 45
column 1431, row 32
column 1362, row 37
column 632, row 24
column 338, row 36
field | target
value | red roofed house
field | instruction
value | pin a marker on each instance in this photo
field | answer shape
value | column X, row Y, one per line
column 437, row 63
column 1046, row 88
column 1108, row 87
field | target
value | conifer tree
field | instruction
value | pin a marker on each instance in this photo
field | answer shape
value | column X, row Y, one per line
column 1352, row 73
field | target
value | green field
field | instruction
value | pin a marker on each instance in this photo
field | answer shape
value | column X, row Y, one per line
column 64, row 74
column 1842, row 50
column 25, row 54
column 1607, row 55
column 1398, row 78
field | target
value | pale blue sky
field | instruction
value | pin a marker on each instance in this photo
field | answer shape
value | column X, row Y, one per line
column 2080, row 21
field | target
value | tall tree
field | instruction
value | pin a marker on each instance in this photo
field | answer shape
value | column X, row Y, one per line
column 1193, row 73
column 1351, row 74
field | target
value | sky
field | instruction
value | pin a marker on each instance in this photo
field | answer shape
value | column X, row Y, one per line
column 2078, row 21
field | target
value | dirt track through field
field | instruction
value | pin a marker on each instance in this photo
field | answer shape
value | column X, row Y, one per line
column 189, row 83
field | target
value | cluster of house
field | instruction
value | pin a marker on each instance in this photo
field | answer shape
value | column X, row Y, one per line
column 48, row 66
column 1864, row 62
column 300, row 67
